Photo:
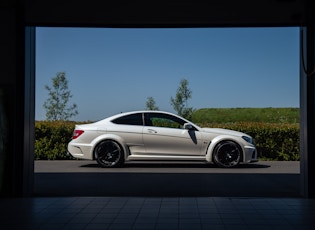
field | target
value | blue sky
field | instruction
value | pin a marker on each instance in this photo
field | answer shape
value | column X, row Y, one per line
column 116, row 70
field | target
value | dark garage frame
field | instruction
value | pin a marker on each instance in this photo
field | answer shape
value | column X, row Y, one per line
column 19, row 19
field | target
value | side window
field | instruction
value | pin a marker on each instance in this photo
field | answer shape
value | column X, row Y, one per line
column 132, row 119
column 163, row 120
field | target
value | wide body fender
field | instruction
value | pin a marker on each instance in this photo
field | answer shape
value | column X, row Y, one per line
column 215, row 141
column 113, row 137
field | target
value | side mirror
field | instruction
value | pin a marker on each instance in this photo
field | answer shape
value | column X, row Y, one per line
column 188, row 126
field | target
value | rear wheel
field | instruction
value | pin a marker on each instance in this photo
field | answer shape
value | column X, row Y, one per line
column 109, row 153
column 227, row 154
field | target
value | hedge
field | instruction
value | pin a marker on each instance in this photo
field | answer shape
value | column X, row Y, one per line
column 273, row 141
column 51, row 139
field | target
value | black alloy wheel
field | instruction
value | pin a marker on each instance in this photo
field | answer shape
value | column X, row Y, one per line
column 227, row 154
column 109, row 153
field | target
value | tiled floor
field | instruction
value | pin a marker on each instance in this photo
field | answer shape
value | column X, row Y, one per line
column 157, row 213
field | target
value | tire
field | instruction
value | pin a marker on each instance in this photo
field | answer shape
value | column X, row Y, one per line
column 227, row 154
column 109, row 154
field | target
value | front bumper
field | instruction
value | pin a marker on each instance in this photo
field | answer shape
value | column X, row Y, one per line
column 250, row 155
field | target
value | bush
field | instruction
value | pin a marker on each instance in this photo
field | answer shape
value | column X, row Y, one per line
column 273, row 141
column 51, row 139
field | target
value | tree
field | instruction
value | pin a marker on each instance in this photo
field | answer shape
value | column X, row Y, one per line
column 150, row 104
column 180, row 102
column 57, row 103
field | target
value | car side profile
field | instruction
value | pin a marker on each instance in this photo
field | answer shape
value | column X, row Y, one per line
column 158, row 135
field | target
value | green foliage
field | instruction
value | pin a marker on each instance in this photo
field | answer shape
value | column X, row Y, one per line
column 51, row 139
column 150, row 104
column 180, row 102
column 230, row 115
column 275, row 130
column 273, row 141
column 57, row 103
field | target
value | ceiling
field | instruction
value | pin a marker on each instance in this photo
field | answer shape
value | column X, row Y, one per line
column 165, row 13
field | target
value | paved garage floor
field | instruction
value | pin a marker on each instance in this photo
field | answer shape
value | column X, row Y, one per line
column 83, row 196
column 191, row 213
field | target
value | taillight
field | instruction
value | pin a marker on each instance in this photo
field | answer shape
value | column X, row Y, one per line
column 77, row 133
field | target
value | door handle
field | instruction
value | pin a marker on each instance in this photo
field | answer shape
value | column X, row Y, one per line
column 152, row 131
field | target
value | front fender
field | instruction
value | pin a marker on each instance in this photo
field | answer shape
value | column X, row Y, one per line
column 219, row 139
column 113, row 137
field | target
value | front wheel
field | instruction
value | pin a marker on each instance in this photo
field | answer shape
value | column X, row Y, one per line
column 109, row 153
column 227, row 154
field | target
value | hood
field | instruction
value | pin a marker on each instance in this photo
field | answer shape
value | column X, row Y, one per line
column 223, row 131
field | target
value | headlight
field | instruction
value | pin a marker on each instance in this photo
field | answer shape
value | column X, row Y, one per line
column 248, row 139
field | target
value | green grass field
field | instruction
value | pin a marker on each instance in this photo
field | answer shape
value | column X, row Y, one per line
column 231, row 115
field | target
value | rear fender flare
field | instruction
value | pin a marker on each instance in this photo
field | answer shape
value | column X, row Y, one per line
column 113, row 137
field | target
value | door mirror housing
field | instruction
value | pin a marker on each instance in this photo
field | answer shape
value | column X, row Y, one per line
column 188, row 126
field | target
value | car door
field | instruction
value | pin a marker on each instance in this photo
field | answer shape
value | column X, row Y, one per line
column 164, row 134
column 130, row 129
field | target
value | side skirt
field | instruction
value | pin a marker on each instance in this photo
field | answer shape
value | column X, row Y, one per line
column 166, row 158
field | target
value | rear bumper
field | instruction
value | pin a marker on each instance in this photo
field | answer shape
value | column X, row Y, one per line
column 80, row 151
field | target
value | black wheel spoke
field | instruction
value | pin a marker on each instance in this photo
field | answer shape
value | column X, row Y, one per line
column 227, row 154
column 109, row 154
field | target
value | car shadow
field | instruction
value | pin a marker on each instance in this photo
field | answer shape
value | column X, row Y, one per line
column 161, row 181
column 178, row 165
column 166, row 184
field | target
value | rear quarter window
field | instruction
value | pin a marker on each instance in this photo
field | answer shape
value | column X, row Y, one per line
column 132, row 119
